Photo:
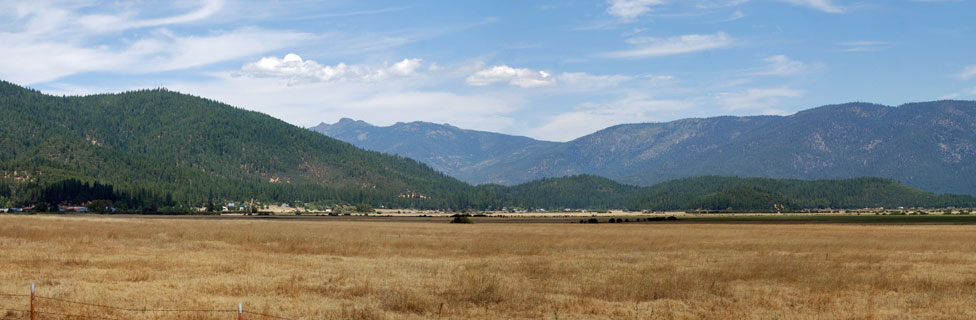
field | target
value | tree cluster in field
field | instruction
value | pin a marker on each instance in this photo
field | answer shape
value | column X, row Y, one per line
column 626, row 220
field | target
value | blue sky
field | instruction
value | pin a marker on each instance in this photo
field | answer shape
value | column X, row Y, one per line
column 552, row 70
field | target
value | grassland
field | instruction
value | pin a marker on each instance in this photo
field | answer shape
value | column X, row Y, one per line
column 326, row 269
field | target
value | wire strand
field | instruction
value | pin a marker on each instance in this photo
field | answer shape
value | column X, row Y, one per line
column 134, row 309
column 122, row 308
column 73, row 315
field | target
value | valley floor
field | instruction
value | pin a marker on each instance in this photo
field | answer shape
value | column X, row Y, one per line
column 332, row 269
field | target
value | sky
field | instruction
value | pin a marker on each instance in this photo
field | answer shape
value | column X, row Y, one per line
column 551, row 70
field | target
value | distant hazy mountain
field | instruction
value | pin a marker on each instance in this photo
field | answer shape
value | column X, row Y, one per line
column 456, row 152
column 929, row 145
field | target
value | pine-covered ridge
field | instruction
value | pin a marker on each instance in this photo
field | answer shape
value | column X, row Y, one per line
column 725, row 193
column 157, row 148
column 171, row 143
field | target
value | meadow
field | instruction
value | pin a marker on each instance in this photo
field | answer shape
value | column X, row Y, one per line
column 385, row 269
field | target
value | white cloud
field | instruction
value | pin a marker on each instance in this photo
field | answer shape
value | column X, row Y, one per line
column 822, row 5
column 949, row 96
column 586, row 81
column 656, row 47
column 105, row 22
column 628, row 10
column 968, row 72
column 54, row 41
column 27, row 60
column 866, row 46
column 719, row 4
column 780, row 65
column 756, row 99
column 736, row 16
column 587, row 118
column 380, row 103
column 297, row 70
column 520, row 77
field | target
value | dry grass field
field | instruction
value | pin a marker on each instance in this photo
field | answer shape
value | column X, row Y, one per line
column 410, row 270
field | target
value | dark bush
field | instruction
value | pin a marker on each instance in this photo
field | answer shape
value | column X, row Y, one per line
column 672, row 218
column 461, row 219
column 592, row 220
column 41, row 207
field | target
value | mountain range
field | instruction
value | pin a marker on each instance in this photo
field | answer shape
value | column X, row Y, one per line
column 929, row 145
column 163, row 151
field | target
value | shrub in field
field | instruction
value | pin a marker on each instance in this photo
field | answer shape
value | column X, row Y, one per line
column 364, row 208
column 461, row 219
column 592, row 220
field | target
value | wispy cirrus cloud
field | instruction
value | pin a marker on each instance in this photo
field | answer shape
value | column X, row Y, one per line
column 823, row 5
column 763, row 100
column 590, row 117
column 967, row 72
column 866, row 45
column 781, row 65
column 649, row 47
column 54, row 41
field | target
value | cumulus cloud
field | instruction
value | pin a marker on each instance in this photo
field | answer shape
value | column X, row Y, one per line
column 519, row 77
column 648, row 47
column 296, row 69
column 628, row 10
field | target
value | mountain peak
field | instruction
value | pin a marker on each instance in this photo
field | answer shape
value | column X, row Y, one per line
column 349, row 121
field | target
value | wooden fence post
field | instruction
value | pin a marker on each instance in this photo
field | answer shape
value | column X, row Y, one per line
column 32, row 301
column 240, row 311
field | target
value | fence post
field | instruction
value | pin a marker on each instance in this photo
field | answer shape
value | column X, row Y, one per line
column 32, row 301
column 240, row 311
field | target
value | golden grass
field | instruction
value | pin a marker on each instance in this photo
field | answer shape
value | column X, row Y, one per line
column 393, row 270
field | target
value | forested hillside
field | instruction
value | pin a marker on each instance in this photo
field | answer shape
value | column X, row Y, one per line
column 189, row 147
column 724, row 193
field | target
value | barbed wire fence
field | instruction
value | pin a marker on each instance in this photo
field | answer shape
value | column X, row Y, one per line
column 36, row 311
